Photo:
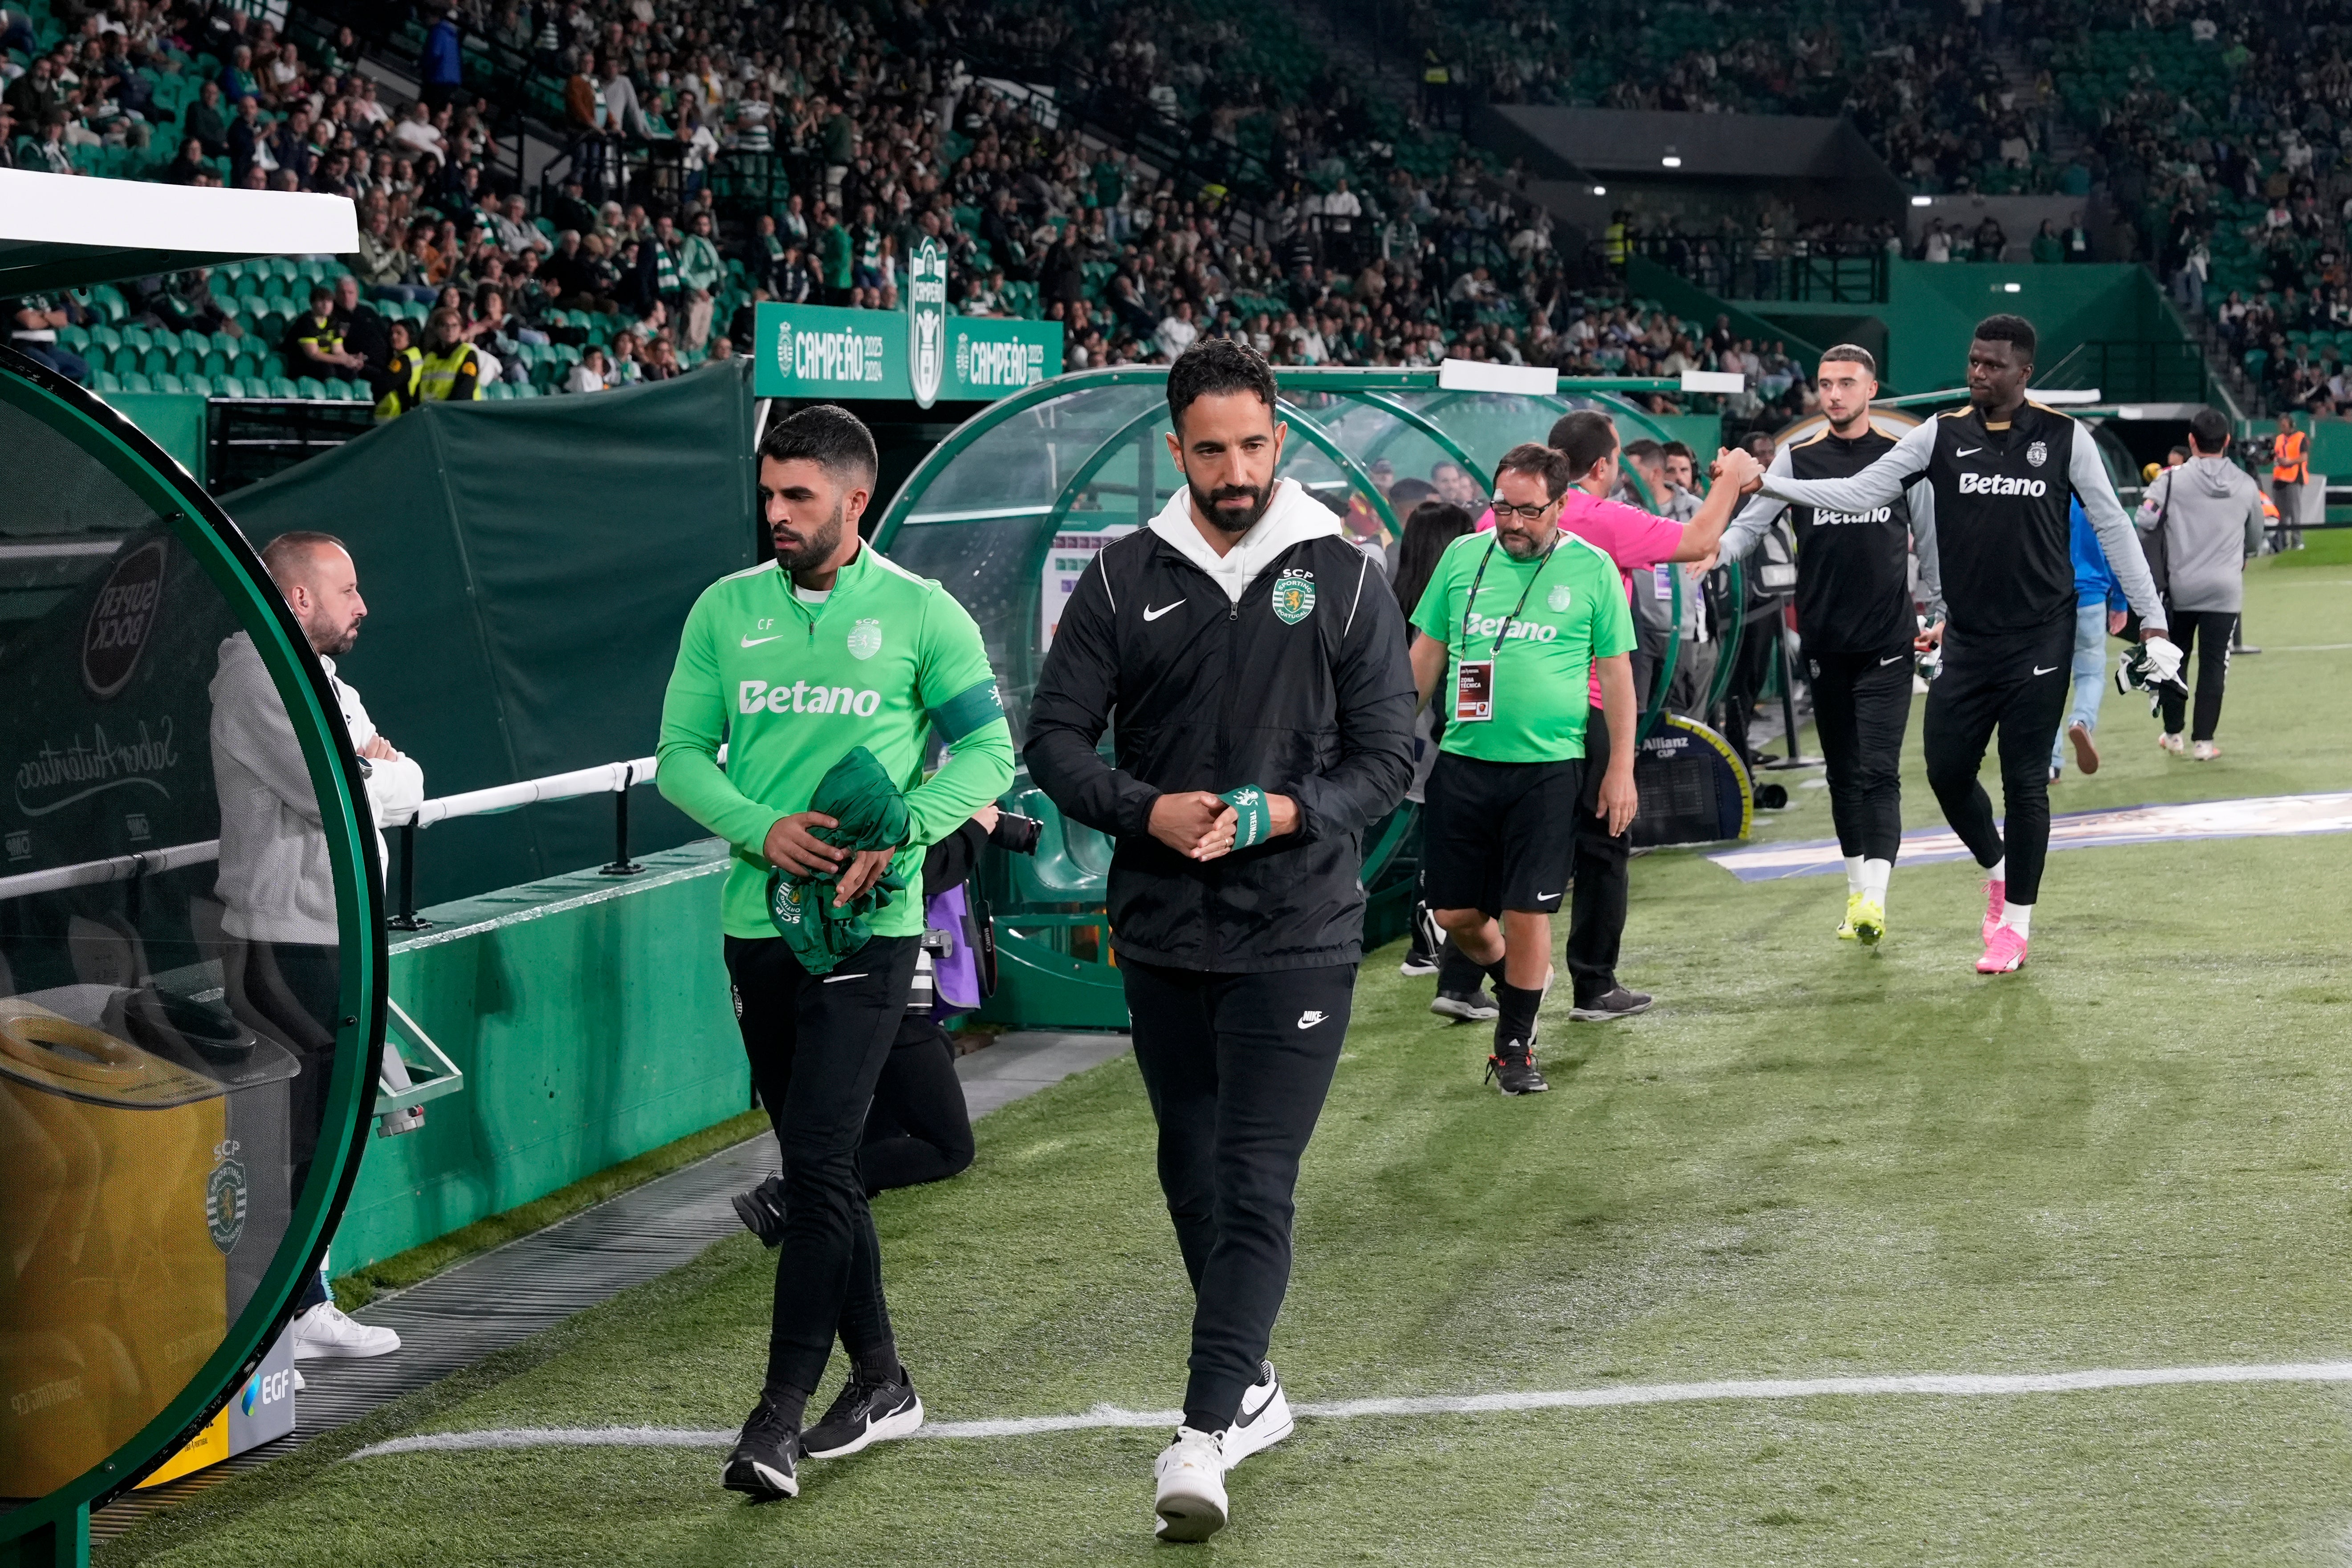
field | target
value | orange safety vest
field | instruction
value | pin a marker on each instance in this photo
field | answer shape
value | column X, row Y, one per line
column 2290, row 458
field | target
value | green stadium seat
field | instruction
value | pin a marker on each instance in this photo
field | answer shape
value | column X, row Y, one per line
column 248, row 285
column 135, row 383
column 338, row 390
column 74, row 337
column 526, row 389
column 139, row 336
column 497, row 391
column 154, row 362
column 310, row 387
column 103, row 382
column 223, row 343
column 108, row 301
column 104, row 337
column 122, row 360
column 228, row 386
column 283, row 387
column 282, row 268
column 168, row 382
column 214, row 365
column 200, row 385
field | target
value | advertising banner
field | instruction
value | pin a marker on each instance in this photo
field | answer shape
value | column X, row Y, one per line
column 922, row 354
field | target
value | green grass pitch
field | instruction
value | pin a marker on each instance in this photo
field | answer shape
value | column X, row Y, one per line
column 1809, row 1160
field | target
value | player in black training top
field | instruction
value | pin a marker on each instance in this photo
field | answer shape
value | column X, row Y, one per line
column 2004, row 471
column 1856, row 621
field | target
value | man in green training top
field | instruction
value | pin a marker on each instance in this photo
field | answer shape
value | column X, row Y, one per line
column 793, row 664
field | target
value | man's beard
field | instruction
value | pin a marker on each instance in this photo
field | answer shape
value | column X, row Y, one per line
column 332, row 642
column 1206, row 505
column 1521, row 547
column 817, row 550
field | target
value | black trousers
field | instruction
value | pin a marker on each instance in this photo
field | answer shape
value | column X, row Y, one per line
column 1596, row 909
column 817, row 1044
column 296, row 986
column 1861, row 706
column 2207, row 634
column 919, row 1128
column 1236, row 1067
column 2015, row 683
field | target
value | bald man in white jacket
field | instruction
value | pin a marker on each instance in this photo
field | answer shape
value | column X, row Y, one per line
column 277, row 882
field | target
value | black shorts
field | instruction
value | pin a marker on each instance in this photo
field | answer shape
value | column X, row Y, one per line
column 1498, row 835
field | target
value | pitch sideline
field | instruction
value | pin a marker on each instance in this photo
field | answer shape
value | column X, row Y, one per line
column 1949, row 1385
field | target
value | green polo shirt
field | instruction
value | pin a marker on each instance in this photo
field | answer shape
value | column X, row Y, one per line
column 1571, row 610
column 884, row 662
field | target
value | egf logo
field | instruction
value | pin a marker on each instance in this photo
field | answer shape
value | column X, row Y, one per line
column 267, row 1388
column 759, row 696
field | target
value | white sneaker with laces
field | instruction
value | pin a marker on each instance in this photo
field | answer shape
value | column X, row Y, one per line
column 2172, row 743
column 1191, row 1502
column 2204, row 751
column 1263, row 1420
column 324, row 1331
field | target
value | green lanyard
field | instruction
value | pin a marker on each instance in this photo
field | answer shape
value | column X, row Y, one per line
column 1470, row 605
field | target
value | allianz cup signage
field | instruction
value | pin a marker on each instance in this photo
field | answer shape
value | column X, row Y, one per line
column 925, row 353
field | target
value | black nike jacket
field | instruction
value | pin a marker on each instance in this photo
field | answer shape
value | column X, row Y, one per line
column 1301, row 688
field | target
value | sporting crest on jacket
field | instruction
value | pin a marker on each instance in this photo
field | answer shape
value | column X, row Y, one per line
column 1293, row 597
column 2037, row 453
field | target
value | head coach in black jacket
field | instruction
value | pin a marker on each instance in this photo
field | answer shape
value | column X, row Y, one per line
column 1254, row 663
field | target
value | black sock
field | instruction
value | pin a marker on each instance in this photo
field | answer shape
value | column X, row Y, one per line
column 1457, row 972
column 791, row 1403
column 1495, row 972
column 880, row 1364
column 1515, row 1030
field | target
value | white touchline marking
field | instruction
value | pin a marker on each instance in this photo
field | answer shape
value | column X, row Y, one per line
column 1951, row 1385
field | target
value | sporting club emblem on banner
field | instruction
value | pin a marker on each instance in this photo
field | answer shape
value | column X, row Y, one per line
column 927, row 321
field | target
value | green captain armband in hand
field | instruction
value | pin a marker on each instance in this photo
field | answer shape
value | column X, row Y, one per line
column 1253, row 819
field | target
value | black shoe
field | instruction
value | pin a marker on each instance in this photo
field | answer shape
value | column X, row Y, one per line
column 865, row 1412
column 1619, row 1003
column 1421, row 953
column 1465, row 1007
column 1514, row 1072
column 761, row 1210
column 766, row 1460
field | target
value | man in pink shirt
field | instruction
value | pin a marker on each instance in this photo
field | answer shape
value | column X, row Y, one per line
column 1638, row 541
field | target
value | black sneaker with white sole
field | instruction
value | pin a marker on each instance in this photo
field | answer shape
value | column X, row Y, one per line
column 1465, row 1007
column 867, row 1411
column 1263, row 1420
column 761, row 1210
column 1514, row 1072
column 1421, row 953
column 765, row 1464
column 1617, row 1004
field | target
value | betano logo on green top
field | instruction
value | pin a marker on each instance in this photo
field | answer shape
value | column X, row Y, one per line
column 925, row 353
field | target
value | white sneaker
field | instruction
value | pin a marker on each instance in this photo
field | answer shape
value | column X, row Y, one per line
column 324, row 1331
column 2204, row 751
column 1192, row 1497
column 2172, row 743
column 1263, row 1419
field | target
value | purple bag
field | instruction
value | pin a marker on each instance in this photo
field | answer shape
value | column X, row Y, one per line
column 956, row 972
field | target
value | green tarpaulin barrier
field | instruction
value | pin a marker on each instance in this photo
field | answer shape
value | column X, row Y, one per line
column 527, row 567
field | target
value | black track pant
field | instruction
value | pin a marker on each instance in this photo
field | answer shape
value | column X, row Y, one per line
column 919, row 1129
column 1236, row 1067
column 1861, row 706
column 2206, row 633
column 817, row 1045
column 2016, row 684
column 1596, row 908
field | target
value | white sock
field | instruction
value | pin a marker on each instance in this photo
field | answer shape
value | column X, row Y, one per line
column 1999, row 871
column 1874, row 873
column 1854, row 879
column 2017, row 917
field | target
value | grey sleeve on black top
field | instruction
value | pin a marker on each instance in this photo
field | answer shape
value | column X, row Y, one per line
column 2088, row 473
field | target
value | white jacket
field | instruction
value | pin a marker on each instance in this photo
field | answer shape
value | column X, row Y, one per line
column 274, row 876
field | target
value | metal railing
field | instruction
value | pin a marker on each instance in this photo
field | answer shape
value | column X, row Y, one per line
column 2132, row 371
column 1729, row 267
column 614, row 777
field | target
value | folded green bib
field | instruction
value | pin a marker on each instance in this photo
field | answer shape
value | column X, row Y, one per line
column 859, row 794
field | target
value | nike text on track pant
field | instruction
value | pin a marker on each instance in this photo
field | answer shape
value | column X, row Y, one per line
column 1236, row 1067
column 2015, row 683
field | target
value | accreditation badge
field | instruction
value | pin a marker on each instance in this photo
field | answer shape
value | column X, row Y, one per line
column 1473, row 690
